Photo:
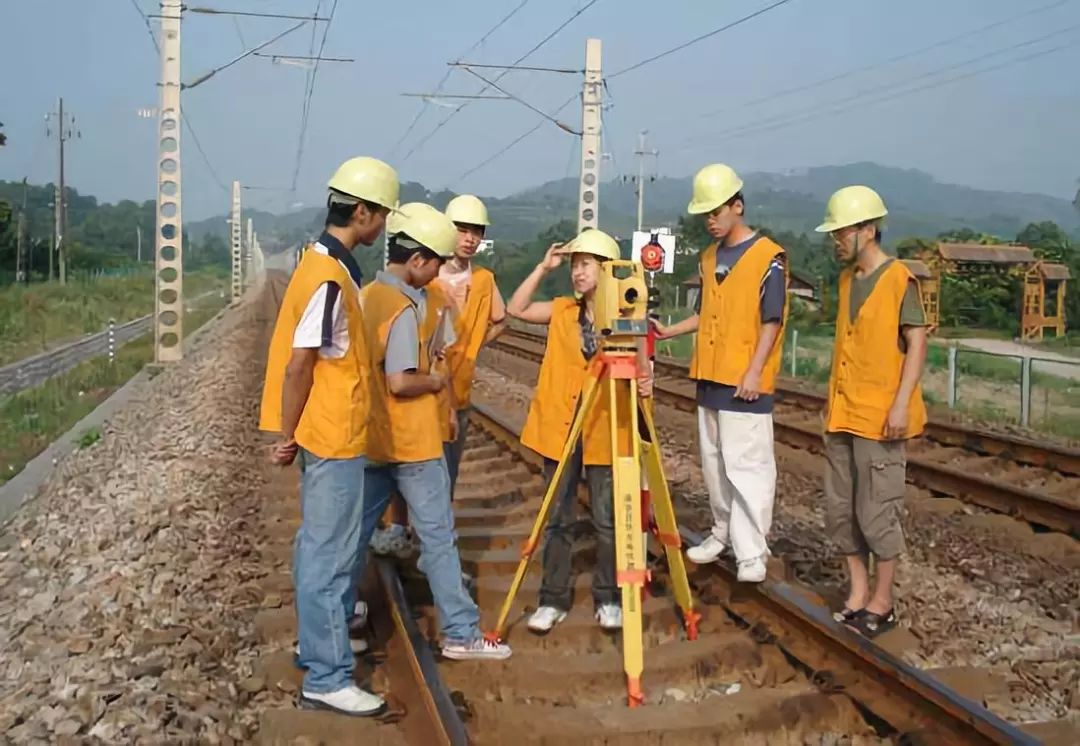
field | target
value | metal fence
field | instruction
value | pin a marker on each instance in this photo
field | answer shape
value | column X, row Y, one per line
column 1027, row 390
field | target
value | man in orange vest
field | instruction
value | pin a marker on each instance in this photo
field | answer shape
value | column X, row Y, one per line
column 572, row 343
column 875, row 403
column 316, row 397
column 479, row 312
column 411, row 417
column 740, row 319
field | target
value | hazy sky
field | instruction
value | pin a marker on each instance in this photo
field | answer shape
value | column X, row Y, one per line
column 1013, row 127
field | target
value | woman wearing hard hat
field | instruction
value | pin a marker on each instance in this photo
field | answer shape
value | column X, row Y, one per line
column 875, row 403
column 401, row 320
column 316, row 397
column 479, row 312
column 571, row 345
column 743, row 308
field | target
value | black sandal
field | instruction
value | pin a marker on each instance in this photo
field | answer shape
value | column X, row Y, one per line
column 870, row 625
column 847, row 616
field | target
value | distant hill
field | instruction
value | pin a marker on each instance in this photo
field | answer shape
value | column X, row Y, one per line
column 794, row 201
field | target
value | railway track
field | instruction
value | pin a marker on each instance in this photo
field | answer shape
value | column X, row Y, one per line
column 1037, row 482
column 769, row 666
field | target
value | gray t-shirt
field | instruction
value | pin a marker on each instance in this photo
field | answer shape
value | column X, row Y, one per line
column 720, row 397
column 403, row 341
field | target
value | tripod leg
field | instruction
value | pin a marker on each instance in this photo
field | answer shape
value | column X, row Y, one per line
column 668, row 528
column 588, row 398
column 630, row 566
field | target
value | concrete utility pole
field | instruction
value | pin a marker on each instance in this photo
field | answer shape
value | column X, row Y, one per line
column 65, row 130
column 168, row 236
column 22, row 272
column 138, row 244
column 248, row 251
column 592, row 94
column 641, row 153
column 237, row 240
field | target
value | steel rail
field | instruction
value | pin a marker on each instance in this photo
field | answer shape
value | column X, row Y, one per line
column 910, row 701
column 1054, row 512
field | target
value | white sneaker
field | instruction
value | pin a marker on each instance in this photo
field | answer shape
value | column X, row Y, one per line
column 752, row 571
column 609, row 616
column 544, row 618
column 358, row 646
column 359, row 618
column 705, row 552
column 352, row 700
column 479, row 649
column 393, row 541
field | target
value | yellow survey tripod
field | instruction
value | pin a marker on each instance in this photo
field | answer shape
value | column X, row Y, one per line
column 621, row 318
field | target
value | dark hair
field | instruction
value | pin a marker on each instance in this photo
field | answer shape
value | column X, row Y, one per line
column 396, row 253
column 481, row 228
column 737, row 197
column 338, row 214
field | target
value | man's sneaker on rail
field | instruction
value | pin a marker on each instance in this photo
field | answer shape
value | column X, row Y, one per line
column 352, row 700
column 609, row 616
column 752, row 571
column 707, row 551
column 393, row 541
column 479, row 649
column 544, row 618
column 359, row 617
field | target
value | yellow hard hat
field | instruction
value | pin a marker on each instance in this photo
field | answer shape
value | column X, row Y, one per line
column 850, row 206
column 467, row 209
column 368, row 179
column 593, row 242
column 425, row 225
column 713, row 186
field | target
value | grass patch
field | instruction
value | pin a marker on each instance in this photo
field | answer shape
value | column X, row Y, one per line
column 37, row 317
column 30, row 420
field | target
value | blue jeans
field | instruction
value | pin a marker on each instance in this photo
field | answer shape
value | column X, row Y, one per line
column 425, row 486
column 324, row 556
column 452, row 451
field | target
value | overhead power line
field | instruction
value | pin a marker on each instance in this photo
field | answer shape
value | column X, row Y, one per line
column 307, row 103
column 863, row 100
column 446, row 76
column 149, row 28
column 199, row 147
column 497, row 154
column 696, row 39
column 561, row 125
column 890, row 61
column 862, row 94
column 536, row 47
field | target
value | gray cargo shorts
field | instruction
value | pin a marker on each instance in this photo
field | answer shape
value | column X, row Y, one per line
column 864, row 494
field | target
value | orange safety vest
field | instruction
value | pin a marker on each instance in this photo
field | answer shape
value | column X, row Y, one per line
column 558, row 390
column 730, row 318
column 401, row 430
column 470, row 327
column 333, row 423
column 867, row 361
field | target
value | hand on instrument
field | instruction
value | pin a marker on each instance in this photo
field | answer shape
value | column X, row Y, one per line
column 284, row 452
column 897, row 422
column 749, row 388
column 645, row 386
column 551, row 259
column 662, row 331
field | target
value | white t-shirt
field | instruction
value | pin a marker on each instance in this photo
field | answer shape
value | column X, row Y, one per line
column 323, row 323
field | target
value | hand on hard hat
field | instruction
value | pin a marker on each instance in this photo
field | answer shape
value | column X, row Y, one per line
column 553, row 257
column 368, row 179
column 594, row 242
column 467, row 209
column 713, row 186
column 850, row 206
column 425, row 225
